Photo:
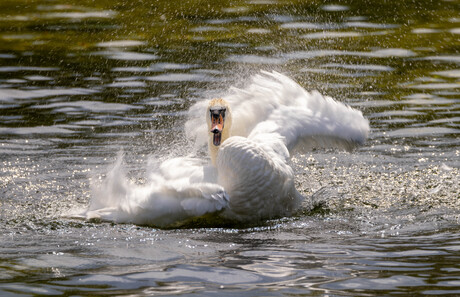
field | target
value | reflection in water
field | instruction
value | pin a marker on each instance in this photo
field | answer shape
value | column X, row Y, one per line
column 248, row 262
column 81, row 82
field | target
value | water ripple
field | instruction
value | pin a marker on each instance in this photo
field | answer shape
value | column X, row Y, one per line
column 180, row 77
column 380, row 53
column 126, row 56
column 83, row 106
column 11, row 95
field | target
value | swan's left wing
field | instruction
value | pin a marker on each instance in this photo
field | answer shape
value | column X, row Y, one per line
column 337, row 126
column 311, row 120
column 274, row 103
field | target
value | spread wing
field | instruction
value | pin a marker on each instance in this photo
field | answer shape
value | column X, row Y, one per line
column 275, row 104
column 307, row 119
column 326, row 124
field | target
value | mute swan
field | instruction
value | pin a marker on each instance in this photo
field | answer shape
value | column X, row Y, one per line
column 251, row 135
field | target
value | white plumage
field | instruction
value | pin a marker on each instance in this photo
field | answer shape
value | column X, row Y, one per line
column 250, row 179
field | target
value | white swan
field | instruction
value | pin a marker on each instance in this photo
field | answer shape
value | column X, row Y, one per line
column 251, row 136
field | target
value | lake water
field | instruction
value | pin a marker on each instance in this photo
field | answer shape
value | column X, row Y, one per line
column 83, row 81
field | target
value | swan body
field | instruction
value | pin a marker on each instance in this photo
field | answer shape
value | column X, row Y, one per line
column 259, row 185
column 251, row 135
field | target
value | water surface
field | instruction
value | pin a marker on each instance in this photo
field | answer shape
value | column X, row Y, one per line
column 82, row 81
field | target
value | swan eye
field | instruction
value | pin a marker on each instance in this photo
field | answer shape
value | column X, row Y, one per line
column 217, row 113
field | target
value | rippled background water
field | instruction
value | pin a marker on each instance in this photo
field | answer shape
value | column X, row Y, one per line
column 81, row 81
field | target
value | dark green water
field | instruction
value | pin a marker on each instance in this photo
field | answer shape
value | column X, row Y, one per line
column 81, row 81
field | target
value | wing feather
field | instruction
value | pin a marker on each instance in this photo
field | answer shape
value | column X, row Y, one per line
column 310, row 120
column 177, row 193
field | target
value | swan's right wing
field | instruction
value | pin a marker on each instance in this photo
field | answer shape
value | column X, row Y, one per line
column 164, row 206
column 176, row 193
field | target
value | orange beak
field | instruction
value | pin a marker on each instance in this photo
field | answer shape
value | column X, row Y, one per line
column 217, row 124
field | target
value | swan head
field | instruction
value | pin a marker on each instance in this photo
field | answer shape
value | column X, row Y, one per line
column 219, row 119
